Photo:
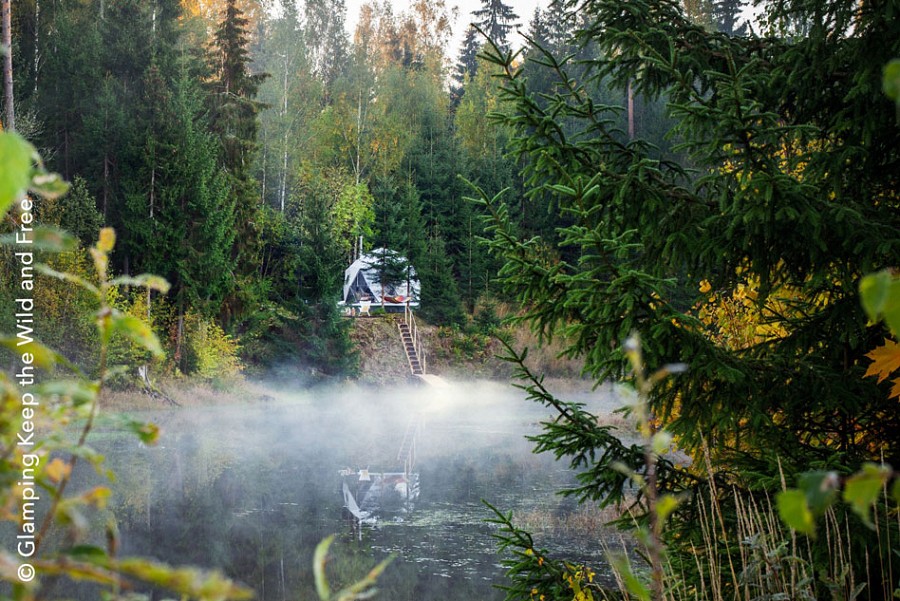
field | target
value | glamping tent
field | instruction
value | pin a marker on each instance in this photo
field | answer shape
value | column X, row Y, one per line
column 382, row 276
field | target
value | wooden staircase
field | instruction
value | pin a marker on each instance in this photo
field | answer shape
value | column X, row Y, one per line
column 409, row 334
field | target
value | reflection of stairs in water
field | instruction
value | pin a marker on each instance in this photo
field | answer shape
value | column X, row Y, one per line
column 407, row 454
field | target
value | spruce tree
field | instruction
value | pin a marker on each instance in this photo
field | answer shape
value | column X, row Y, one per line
column 538, row 29
column 76, row 213
column 560, row 27
column 234, row 111
column 497, row 20
column 324, row 336
column 727, row 17
column 234, row 91
column 742, row 258
column 467, row 63
column 440, row 294
column 179, row 218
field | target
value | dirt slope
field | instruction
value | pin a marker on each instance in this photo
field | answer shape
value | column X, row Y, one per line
column 383, row 360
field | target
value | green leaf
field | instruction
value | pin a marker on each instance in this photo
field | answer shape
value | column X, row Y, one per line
column 364, row 588
column 66, row 277
column 137, row 331
column 89, row 553
column 15, row 156
column 48, row 238
column 190, row 582
column 895, row 490
column 49, row 185
column 319, row 559
column 146, row 431
column 664, row 508
column 793, row 510
column 79, row 392
column 880, row 296
column 891, row 80
column 42, row 356
column 634, row 586
column 661, row 442
column 873, row 292
column 54, row 239
column 862, row 489
column 145, row 280
column 820, row 489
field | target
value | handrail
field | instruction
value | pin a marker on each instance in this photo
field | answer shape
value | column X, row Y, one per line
column 410, row 319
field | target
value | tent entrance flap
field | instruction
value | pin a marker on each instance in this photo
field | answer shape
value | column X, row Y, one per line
column 382, row 276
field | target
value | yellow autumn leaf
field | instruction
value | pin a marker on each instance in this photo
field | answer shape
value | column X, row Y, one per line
column 885, row 361
column 97, row 496
column 895, row 389
column 57, row 470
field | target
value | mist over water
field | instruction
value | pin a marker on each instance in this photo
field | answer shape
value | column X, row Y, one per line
column 252, row 489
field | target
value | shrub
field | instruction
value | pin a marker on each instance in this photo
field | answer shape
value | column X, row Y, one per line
column 210, row 352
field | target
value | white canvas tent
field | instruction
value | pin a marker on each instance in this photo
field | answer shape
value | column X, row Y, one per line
column 363, row 285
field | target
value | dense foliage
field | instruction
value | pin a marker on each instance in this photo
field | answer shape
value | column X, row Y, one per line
column 783, row 195
column 248, row 155
column 666, row 168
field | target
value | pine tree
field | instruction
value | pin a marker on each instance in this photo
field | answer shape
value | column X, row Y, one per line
column 467, row 64
column 234, row 111
column 538, row 29
column 179, row 218
column 440, row 294
column 758, row 227
column 234, row 90
column 496, row 20
column 560, row 27
column 727, row 17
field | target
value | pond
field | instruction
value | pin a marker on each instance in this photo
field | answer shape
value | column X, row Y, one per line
column 251, row 490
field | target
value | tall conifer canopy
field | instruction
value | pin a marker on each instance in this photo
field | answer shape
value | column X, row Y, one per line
column 497, row 20
column 741, row 255
column 468, row 59
column 234, row 89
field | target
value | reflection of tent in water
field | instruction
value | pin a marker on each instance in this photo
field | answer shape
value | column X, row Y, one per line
column 382, row 275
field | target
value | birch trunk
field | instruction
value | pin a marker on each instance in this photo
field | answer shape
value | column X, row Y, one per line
column 37, row 40
column 6, row 26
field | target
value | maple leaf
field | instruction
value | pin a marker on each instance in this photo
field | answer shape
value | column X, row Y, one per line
column 885, row 361
column 895, row 389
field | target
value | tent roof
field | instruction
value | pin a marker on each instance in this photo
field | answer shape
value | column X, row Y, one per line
column 367, row 267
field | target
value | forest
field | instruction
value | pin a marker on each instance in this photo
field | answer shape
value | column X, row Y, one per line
column 697, row 197
column 245, row 152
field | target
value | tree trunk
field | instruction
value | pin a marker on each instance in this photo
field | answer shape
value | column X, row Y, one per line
column 152, row 186
column 284, row 171
column 359, row 121
column 179, row 335
column 105, row 185
column 265, row 157
column 630, row 112
column 37, row 40
column 6, row 26
column 282, row 193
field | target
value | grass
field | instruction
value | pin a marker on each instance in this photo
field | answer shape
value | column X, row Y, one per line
column 189, row 392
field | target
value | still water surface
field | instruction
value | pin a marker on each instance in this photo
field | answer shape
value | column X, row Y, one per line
column 251, row 490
